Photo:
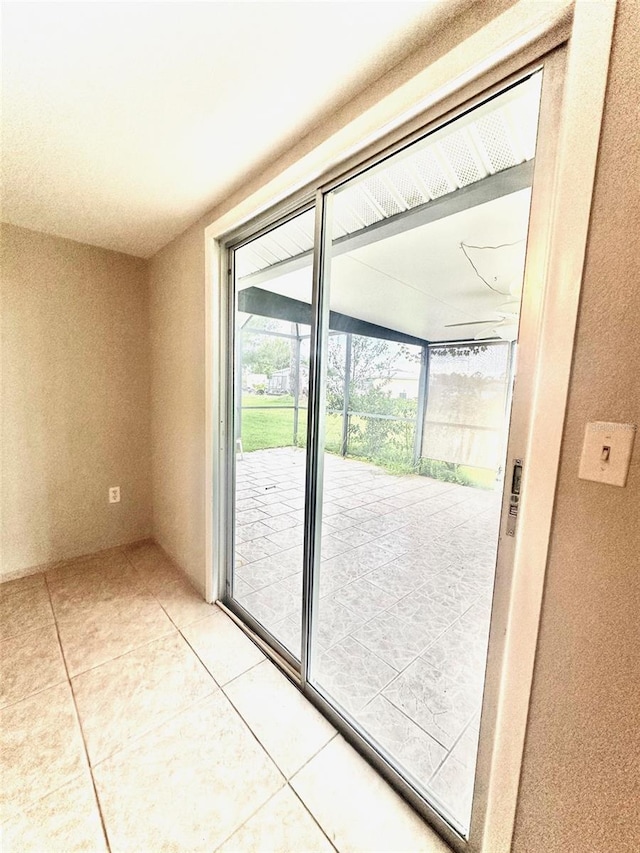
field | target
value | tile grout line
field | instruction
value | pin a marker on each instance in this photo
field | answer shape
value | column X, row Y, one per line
column 335, row 735
column 270, row 757
column 264, row 750
column 186, row 639
column 39, row 691
column 306, row 807
column 249, row 669
column 195, row 652
column 123, row 654
column 82, row 735
column 253, row 734
column 174, row 630
column 132, row 742
column 153, row 594
column 115, row 657
column 246, row 820
column 288, row 786
column 465, row 729
column 136, row 738
column 239, row 713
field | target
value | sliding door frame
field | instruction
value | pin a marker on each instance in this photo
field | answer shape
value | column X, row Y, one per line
column 552, row 68
column 267, row 640
column 573, row 46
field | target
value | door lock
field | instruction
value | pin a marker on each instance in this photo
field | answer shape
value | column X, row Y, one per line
column 514, row 497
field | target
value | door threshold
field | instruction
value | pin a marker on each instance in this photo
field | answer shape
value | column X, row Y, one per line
column 264, row 647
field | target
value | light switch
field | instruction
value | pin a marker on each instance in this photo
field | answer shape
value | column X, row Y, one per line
column 606, row 452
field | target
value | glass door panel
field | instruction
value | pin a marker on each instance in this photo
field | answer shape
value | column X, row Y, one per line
column 413, row 369
column 424, row 276
column 271, row 317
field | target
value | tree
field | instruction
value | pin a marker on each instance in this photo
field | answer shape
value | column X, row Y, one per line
column 371, row 367
column 262, row 353
column 265, row 355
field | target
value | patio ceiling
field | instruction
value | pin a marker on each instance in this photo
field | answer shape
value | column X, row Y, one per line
column 420, row 281
column 442, row 230
column 493, row 138
column 424, row 270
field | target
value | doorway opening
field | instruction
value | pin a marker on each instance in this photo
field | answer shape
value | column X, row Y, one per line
column 370, row 413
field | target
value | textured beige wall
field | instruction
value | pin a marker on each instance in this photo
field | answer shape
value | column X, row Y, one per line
column 176, row 279
column 580, row 789
column 75, row 399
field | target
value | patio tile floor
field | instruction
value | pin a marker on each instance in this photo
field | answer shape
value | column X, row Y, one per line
column 405, row 589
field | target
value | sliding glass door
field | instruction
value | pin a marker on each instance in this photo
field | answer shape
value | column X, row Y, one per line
column 370, row 415
column 271, row 330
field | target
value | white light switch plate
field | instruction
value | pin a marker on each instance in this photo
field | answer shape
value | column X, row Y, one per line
column 606, row 452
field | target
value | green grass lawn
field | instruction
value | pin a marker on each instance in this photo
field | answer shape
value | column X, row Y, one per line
column 262, row 428
column 270, row 426
column 266, row 400
column 273, row 427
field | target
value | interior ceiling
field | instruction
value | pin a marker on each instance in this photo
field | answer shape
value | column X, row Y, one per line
column 124, row 122
column 419, row 281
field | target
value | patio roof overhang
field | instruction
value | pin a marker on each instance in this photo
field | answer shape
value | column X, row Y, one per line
column 265, row 291
column 443, row 227
column 265, row 303
column 492, row 187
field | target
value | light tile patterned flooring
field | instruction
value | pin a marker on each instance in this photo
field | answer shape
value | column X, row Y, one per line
column 405, row 590
column 135, row 717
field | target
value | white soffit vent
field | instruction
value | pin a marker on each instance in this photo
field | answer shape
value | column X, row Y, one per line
column 490, row 139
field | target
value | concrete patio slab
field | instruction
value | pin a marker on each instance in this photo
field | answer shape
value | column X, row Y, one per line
column 406, row 579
